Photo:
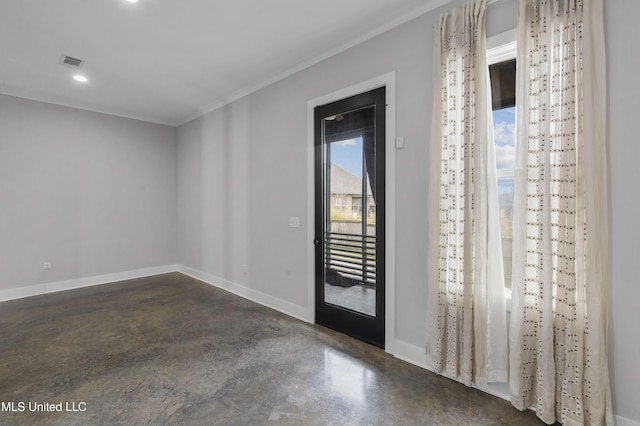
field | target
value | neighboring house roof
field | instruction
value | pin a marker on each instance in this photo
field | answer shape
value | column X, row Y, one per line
column 344, row 182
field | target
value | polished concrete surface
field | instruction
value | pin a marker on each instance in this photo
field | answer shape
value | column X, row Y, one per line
column 172, row 350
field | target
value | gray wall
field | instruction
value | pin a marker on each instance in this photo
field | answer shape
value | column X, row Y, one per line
column 242, row 173
column 623, row 35
column 91, row 193
column 243, row 169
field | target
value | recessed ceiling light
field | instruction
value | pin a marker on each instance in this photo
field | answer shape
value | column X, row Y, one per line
column 80, row 78
column 131, row 1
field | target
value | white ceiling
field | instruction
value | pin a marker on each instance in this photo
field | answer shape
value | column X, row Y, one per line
column 169, row 61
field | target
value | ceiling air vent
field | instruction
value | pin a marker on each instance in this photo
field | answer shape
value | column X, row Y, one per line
column 70, row 62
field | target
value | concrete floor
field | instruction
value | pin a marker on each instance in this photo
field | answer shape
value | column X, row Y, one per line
column 172, row 350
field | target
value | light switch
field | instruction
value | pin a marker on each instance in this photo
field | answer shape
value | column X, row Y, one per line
column 294, row 222
column 399, row 142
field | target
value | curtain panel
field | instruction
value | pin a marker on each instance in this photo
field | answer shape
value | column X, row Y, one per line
column 466, row 324
column 558, row 361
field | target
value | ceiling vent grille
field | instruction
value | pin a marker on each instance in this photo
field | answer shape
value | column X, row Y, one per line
column 70, row 61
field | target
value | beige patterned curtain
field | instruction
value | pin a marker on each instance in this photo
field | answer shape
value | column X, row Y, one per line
column 466, row 324
column 558, row 359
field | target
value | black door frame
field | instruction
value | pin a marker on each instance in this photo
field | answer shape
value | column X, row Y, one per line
column 361, row 326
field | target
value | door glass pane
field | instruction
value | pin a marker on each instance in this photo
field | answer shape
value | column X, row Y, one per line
column 350, row 211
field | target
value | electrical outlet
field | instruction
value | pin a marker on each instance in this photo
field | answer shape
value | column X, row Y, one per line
column 46, row 266
column 245, row 269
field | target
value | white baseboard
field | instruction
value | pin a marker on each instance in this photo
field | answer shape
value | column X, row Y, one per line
column 407, row 352
column 38, row 289
column 416, row 355
column 301, row 312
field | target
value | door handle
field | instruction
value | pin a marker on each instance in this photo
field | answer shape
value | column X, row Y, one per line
column 316, row 241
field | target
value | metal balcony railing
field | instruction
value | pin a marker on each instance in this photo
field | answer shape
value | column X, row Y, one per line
column 353, row 256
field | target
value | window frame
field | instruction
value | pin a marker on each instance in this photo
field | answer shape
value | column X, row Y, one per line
column 502, row 47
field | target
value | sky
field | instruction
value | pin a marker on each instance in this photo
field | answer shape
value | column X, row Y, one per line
column 504, row 134
column 348, row 155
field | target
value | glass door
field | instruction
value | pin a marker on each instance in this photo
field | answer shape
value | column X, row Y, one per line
column 350, row 216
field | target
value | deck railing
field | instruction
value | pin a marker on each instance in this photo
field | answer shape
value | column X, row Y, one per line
column 351, row 255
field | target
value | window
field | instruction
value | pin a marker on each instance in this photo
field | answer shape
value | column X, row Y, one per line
column 356, row 205
column 340, row 202
column 502, row 71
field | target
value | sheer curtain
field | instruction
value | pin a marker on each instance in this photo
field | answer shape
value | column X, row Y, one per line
column 466, row 328
column 558, row 361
